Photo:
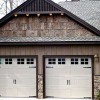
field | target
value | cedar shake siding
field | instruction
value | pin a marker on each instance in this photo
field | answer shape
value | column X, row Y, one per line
column 43, row 26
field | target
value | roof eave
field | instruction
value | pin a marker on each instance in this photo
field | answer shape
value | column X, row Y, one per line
column 50, row 43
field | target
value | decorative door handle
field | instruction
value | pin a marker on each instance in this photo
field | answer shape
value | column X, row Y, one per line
column 14, row 81
column 68, row 82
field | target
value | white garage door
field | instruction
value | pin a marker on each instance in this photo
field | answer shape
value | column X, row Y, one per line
column 68, row 77
column 17, row 77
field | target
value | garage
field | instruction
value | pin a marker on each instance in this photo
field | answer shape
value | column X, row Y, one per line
column 18, row 77
column 68, row 77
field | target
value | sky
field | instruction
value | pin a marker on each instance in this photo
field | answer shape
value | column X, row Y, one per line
column 58, row 0
column 1, row 15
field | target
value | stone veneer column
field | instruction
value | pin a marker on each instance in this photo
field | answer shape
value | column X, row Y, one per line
column 96, row 85
column 40, row 86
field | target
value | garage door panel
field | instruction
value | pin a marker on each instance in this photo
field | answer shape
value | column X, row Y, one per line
column 25, row 76
column 2, row 91
column 24, row 71
column 56, row 81
column 18, row 77
column 26, row 81
column 81, row 92
column 55, row 87
column 80, row 71
column 17, row 71
column 57, row 93
column 69, row 79
column 57, row 72
column 8, row 91
column 6, row 81
column 81, row 82
column 4, row 71
column 11, row 92
column 26, row 91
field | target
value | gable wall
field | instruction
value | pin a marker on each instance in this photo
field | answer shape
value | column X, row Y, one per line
column 43, row 26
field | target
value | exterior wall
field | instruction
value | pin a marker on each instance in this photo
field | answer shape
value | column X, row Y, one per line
column 43, row 26
column 55, row 50
column 47, row 26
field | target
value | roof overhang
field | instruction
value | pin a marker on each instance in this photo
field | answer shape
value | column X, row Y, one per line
column 40, row 12
column 58, row 43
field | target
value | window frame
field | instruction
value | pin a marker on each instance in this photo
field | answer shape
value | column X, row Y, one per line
column 84, row 61
column 21, row 61
column 30, row 61
column 8, row 61
column 61, row 61
column 51, row 61
column 74, row 61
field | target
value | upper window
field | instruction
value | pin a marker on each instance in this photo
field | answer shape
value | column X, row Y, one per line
column 61, row 60
column 30, row 60
column 51, row 61
column 8, row 60
column 84, row 61
column 20, row 61
column 74, row 61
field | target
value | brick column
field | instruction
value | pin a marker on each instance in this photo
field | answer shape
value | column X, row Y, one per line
column 96, row 85
column 40, row 86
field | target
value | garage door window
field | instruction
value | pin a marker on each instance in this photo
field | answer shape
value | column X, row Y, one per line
column 61, row 60
column 51, row 61
column 74, row 61
column 30, row 61
column 20, row 61
column 84, row 61
column 8, row 61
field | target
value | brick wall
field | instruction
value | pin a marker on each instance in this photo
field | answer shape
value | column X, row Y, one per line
column 96, row 86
